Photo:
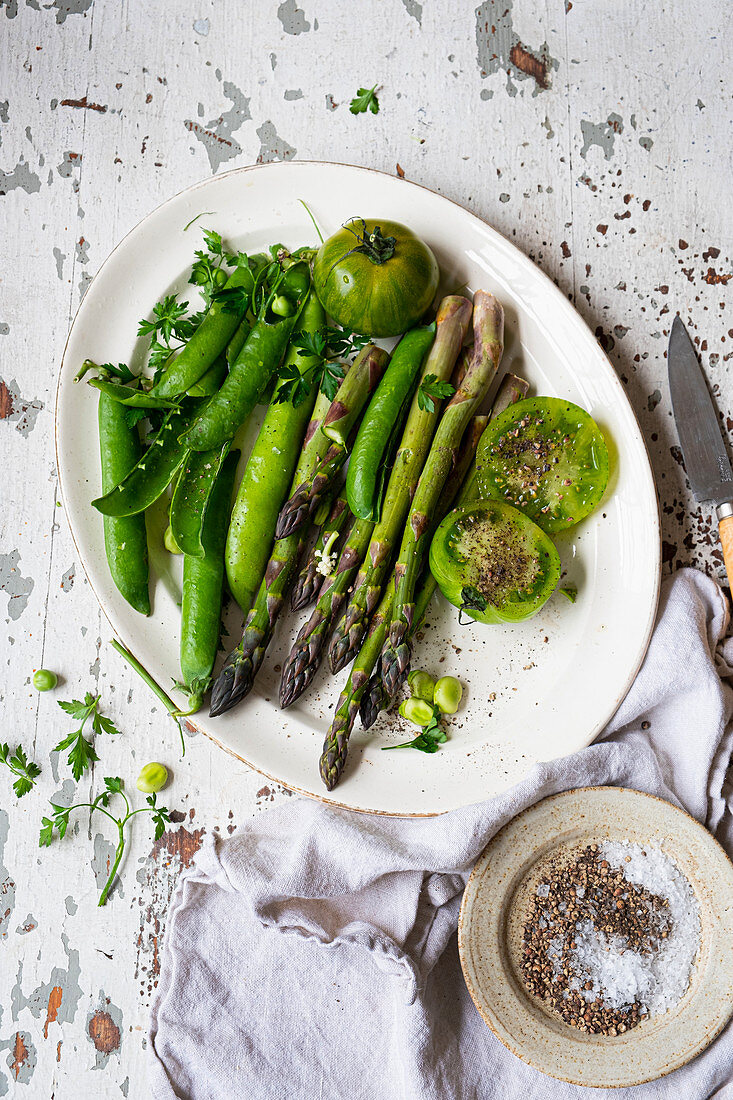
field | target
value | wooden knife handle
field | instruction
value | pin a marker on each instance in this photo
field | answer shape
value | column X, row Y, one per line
column 725, row 530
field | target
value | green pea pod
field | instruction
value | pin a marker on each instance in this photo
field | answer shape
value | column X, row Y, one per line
column 209, row 340
column 153, row 472
column 125, row 539
column 210, row 382
column 266, row 480
column 191, row 498
column 134, row 399
column 203, row 581
column 253, row 368
column 372, row 441
column 236, row 343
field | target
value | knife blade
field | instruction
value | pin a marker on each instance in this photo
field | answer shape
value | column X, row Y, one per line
column 706, row 458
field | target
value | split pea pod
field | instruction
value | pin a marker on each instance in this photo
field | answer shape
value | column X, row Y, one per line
column 212, row 381
column 192, row 497
column 125, row 395
column 209, row 340
column 154, row 470
column 125, row 538
column 253, row 368
column 267, row 476
column 203, row 581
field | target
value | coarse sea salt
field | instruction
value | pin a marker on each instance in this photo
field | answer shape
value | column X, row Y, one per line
column 620, row 975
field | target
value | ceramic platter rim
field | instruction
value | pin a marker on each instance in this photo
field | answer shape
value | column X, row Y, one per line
column 654, row 1048
column 548, row 340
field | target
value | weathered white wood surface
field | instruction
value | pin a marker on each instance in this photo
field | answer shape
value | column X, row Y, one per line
column 595, row 135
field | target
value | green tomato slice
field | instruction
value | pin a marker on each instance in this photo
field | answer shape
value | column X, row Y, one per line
column 493, row 563
column 547, row 457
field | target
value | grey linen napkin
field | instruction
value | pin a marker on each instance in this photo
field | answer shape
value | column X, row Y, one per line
column 314, row 954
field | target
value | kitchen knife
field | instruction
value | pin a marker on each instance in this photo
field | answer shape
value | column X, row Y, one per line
column 706, row 458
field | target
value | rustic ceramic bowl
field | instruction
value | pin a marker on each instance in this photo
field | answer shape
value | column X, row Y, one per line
column 492, row 916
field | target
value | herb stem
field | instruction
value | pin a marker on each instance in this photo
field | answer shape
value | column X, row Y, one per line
column 118, row 857
column 175, row 712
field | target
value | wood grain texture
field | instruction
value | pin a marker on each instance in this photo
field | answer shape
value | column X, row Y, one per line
column 572, row 128
column 725, row 531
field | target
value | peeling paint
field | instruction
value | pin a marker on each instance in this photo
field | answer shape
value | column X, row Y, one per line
column 7, row 884
column 414, row 9
column 67, row 581
column 292, row 94
column 292, row 18
column 83, row 104
column 500, row 49
column 201, row 26
column 272, row 146
column 29, row 924
column 20, row 178
column 104, row 1028
column 22, row 1057
column 602, row 134
column 58, row 998
column 17, row 587
column 59, row 257
column 64, row 8
column 217, row 135
column 16, row 409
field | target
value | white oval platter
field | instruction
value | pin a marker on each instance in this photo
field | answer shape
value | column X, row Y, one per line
column 534, row 691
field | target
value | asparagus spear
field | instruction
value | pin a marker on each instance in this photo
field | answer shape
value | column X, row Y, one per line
column 488, row 348
column 336, row 745
column 305, row 656
column 352, row 395
column 309, row 582
column 375, row 697
column 236, row 677
column 452, row 323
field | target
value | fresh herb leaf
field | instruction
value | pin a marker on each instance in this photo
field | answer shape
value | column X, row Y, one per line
column 83, row 754
column 233, row 299
column 310, row 343
column 212, row 240
column 18, row 763
column 343, row 343
column 365, row 99
column 121, row 371
column 134, row 416
column 329, row 377
column 113, row 786
column 293, row 386
column 432, row 390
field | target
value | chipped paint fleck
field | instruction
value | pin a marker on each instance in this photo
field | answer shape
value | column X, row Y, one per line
column 499, row 48
column 292, row 18
column 272, row 146
column 414, row 9
column 29, row 925
column 16, row 409
column 7, row 883
column 104, row 1028
column 22, row 1057
column 59, row 1007
column 17, row 587
column 21, row 177
column 216, row 136
column 602, row 134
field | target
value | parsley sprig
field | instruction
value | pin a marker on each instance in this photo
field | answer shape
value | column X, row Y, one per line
column 19, row 764
column 83, row 754
column 326, row 346
column 365, row 99
column 432, row 390
column 430, row 738
column 59, row 821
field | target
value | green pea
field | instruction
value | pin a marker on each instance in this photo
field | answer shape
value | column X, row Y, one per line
column 44, row 679
column 422, row 685
column 220, row 278
column 282, row 306
column 152, row 778
column 448, row 694
column 170, row 543
column 417, row 711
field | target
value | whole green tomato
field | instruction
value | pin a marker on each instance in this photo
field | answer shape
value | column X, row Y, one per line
column 374, row 277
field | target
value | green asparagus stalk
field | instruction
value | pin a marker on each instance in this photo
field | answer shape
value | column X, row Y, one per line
column 452, row 323
column 375, row 698
column 310, row 580
column 305, row 656
column 236, row 677
column 336, row 744
column 488, row 348
column 352, row 395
